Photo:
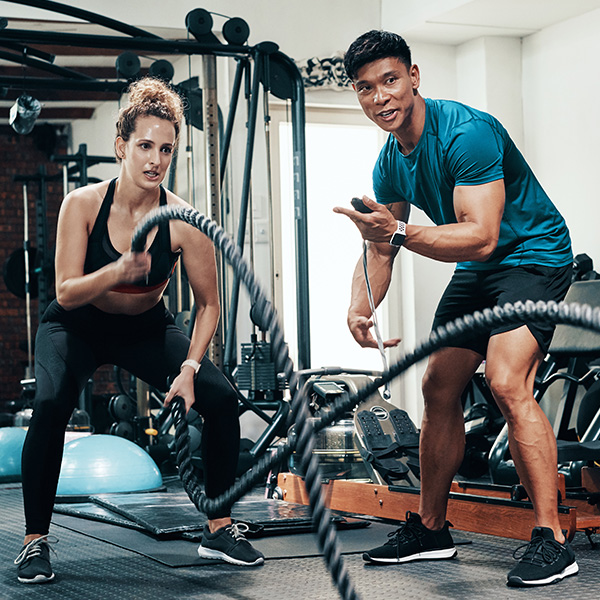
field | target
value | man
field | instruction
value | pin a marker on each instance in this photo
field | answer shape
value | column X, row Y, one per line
column 492, row 217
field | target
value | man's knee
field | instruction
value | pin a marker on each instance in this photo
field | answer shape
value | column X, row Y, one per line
column 509, row 391
column 432, row 387
column 444, row 381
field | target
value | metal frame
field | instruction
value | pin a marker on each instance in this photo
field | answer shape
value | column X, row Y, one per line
column 261, row 56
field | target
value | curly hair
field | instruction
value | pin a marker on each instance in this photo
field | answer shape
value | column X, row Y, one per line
column 150, row 97
column 373, row 45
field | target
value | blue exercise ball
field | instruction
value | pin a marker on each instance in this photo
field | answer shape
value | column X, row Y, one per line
column 11, row 447
column 104, row 464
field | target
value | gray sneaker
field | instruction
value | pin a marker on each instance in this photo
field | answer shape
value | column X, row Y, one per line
column 33, row 562
column 229, row 544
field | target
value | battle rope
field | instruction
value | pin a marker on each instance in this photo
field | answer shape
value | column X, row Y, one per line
column 309, row 464
column 569, row 314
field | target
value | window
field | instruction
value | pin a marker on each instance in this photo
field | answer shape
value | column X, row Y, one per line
column 341, row 148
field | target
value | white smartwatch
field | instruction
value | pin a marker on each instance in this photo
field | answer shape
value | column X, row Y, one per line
column 399, row 235
column 191, row 363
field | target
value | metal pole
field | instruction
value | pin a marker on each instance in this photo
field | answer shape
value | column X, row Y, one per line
column 42, row 241
column 213, row 181
column 139, row 44
column 235, row 290
column 29, row 369
column 301, row 217
column 65, row 174
column 83, row 165
column 267, row 120
column 235, row 93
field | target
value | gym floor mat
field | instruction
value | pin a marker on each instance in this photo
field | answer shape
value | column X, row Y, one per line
column 182, row 553
column 172, row 514
column 89, row 510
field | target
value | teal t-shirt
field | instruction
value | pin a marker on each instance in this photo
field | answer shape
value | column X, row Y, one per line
column 464, row 146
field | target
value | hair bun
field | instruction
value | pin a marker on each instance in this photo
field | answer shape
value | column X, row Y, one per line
column 149, row 90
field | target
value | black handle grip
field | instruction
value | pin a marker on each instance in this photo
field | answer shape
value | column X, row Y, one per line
column 360, row 206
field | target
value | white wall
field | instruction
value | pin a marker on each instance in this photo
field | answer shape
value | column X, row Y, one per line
column 504, row 84
column 562, row 122
column 437, row 64
column 488, row 77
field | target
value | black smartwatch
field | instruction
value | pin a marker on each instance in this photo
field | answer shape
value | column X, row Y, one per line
column 399, row 235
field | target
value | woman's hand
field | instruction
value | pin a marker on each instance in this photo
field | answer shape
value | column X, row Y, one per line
column 183, row 386
column 133, row 266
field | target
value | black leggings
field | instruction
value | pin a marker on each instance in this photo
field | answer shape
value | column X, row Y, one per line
column 70, row 346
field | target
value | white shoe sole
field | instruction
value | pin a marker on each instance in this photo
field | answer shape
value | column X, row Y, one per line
column 218, row 555
column 36, row 579
column 429, row 555
column 572, row 569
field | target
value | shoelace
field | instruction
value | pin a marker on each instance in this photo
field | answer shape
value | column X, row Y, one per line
column 237, row 530
column 539, row 551
column 407, row 531
column 34, row 548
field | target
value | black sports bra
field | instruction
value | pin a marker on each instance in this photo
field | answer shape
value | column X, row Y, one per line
column 101, row 252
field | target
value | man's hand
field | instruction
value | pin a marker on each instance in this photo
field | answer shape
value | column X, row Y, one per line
column 360, row 328
column 376, row 226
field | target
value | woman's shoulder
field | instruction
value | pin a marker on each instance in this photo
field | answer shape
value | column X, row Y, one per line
column 88, row 195
column 83, row 203
column 181, row 233
column 174, row 200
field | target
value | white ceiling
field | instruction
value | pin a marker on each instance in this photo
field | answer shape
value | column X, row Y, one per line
column 450, row 22
column 459, row 21
column 433, row 21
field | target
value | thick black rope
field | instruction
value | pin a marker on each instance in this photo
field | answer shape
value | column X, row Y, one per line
column 569, row 314
column 269, row 321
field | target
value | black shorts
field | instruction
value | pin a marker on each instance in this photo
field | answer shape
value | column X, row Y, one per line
column 470, row 291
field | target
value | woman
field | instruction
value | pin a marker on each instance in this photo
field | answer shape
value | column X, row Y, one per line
column 109, row 309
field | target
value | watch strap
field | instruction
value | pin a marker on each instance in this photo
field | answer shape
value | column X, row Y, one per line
column 399, row 235
column 191, row 363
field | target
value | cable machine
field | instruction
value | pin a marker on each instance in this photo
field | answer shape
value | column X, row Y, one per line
column 260, row 69
column 263, row 64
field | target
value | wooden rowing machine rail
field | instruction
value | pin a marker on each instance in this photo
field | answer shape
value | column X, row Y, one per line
column 481, row 508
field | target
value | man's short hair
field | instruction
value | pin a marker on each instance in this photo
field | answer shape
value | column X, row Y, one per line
column 373, row 45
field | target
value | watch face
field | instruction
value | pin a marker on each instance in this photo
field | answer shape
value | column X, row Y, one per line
column 400, row 235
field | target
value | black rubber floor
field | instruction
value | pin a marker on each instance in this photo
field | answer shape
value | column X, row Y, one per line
column 89, row 569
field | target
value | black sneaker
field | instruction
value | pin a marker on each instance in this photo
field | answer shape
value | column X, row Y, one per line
column 413, row 541
column 33, row 562
column 229, row 544
column 544, row 560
